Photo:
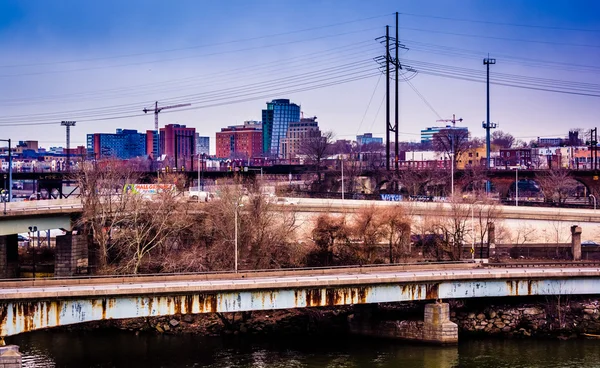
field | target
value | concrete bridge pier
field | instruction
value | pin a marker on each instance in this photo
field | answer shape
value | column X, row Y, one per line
column 436, row 327
column 9, row 256
column 576, row 242
column 71, row 256
column 10, row 357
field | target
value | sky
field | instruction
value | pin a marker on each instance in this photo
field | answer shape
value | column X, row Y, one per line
column 100, row 63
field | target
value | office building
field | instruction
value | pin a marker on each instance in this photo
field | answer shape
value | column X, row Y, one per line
column 202, row 145
column 124, row 144
column 240, row 141
column 428, row 133
column 297, row 134
column 275, row 122
column 368, row 138
column 152, row 144
column 177, row 142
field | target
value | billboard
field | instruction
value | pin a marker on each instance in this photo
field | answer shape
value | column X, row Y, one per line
column 148, row 188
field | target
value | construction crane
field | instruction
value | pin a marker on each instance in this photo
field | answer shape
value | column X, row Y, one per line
column 453, row 121
column 157, row 109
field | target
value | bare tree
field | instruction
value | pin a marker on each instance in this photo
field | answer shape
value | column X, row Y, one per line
column 328, row 234
column 150, row 224
column 453, row 227
column 525, row 233
column 556, row 185
column 368, row 230
column 396, row 224
column 502, row 140
column 105, row 208
column 451, row 141
column 316, row 148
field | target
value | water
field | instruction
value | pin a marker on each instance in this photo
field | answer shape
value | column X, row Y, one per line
column 122, row 349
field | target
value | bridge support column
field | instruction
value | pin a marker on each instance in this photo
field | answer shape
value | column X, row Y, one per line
column 71, row 255
column 10, row 357
column 9, row 256
column 436, row 328
column 576, row 242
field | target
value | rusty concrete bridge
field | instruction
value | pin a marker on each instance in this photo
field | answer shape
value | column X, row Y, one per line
column 38, row 304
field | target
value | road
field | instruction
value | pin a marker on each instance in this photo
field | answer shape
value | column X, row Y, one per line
column 285, row 282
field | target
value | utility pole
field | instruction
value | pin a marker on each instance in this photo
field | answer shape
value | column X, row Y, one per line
column 594, row 148
column 396, row 67
column 68, row 125
column 488, row 125
column 387, row 97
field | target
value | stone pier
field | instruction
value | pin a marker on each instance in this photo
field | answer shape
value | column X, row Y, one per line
column 9, row 256
column 10, row 357
column 436, row 328
column 576, row 242
column 71, row 255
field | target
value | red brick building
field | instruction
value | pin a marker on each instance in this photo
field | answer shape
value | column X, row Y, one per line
column 240, row 141
column 178, row 142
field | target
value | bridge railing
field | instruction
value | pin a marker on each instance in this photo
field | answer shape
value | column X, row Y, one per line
column 558, row 264
column 255, row 273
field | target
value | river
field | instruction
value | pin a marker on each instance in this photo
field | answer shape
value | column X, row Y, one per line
column 109, row 348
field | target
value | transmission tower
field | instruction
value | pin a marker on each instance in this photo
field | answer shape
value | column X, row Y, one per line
column 385, row 61
column 68, row 125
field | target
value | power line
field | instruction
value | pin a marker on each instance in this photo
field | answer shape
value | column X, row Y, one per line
column 369, row 104
column 200, row 46
column 554, row 43
column 311, row 39
column 501, row 23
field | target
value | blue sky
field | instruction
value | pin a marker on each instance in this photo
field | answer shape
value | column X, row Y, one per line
column 102, row 62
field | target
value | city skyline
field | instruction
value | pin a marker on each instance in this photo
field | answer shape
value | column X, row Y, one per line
column 108, row 62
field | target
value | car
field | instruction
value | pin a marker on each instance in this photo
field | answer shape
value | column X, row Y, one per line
column 286, row 201
column 22, row 238
column 589, row 243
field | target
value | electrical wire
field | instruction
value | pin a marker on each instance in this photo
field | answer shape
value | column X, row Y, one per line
column 243, row 40
column 500, row 23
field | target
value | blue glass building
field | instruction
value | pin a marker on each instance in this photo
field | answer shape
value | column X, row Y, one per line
column 124, row 144
column 276, row 120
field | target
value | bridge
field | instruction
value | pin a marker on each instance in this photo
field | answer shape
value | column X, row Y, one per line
column 38, row 304
column 72, row 250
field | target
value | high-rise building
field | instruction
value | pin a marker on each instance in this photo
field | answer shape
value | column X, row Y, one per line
column 202, row 145
column 240, row 141
column 124, row 144
column 297, row 134
column 152, row 144
column 368, row 138
column 275, row 122
column 178, row 142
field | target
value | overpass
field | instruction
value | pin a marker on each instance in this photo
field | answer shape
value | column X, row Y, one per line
column 31, row 305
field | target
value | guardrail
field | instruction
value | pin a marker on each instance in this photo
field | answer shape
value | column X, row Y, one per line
column 249, row 273
column 569, row 264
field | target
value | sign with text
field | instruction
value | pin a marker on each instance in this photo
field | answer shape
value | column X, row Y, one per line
column 148, row 188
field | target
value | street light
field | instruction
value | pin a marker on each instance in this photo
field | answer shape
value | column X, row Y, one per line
column 591, row 195
column 473, row 230
column 517, row 187
column 237, row 206
column 33, row 229
column 452, row 173
column 342, row 162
